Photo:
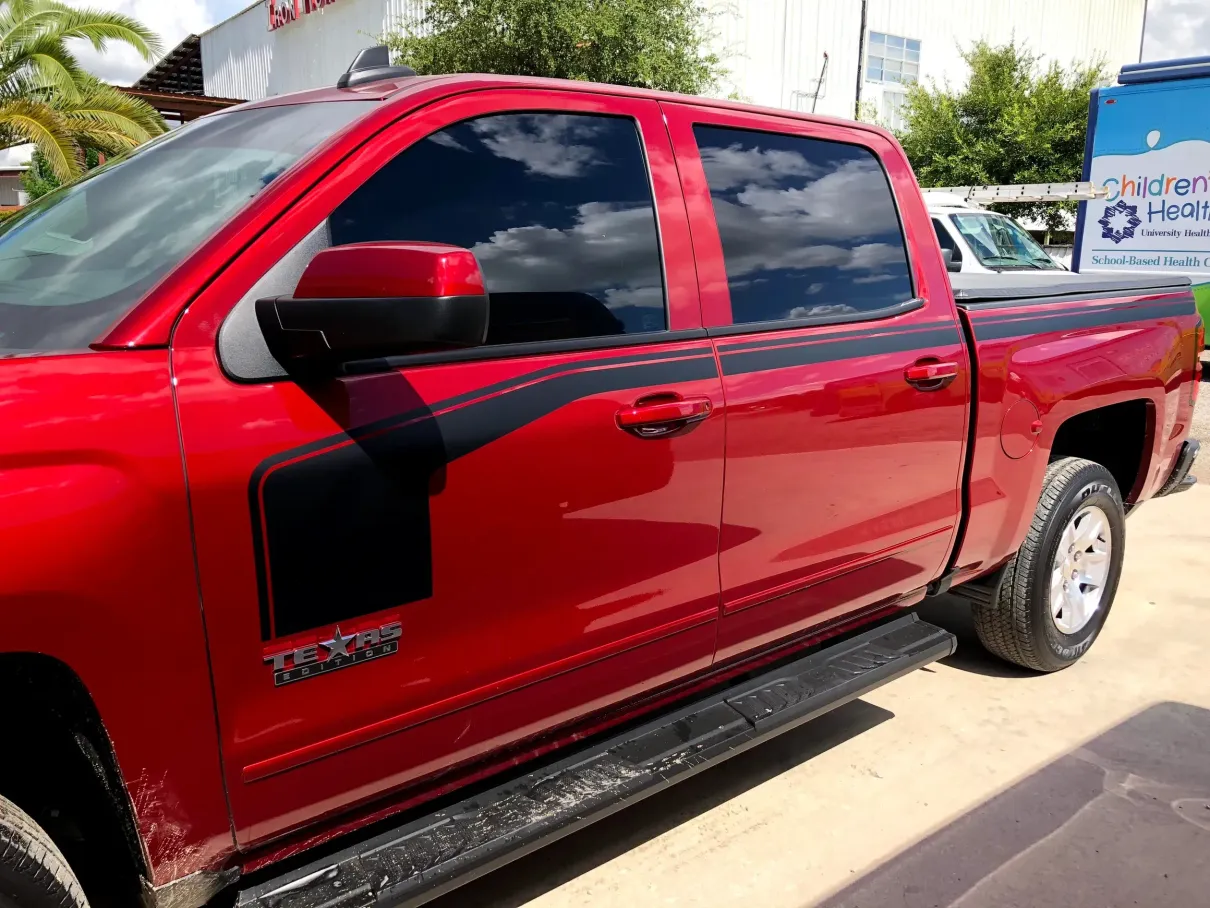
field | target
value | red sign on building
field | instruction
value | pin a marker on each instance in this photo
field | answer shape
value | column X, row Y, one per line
column 283, row 11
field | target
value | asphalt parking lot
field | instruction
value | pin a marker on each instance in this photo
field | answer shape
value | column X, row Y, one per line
column 970, row 783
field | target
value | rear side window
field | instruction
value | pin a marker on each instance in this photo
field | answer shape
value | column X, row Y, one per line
column 556, row 207
column 809, row 227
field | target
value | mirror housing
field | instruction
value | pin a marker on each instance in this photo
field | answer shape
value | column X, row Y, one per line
column 371, row 300
column 947, row 256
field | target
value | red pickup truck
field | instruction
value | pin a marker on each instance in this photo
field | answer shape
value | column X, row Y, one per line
column 400, row 475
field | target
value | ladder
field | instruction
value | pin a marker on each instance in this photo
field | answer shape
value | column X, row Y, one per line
column 1025, row 192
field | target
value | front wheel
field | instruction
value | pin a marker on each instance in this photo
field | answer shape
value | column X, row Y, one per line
column 1054, row 594
column 33, row 872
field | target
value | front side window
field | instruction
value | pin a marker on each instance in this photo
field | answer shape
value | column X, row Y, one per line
column 809, row 227
column 557, row 209
column 1001, row 243
column 946, row 241
column 76, row 260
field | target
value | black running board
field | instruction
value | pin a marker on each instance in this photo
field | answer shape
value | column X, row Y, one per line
column 433, row 854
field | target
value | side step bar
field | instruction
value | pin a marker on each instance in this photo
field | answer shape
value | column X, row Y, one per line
column 436, row 853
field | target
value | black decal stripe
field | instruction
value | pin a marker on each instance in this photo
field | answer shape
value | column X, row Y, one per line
column 359, row 432
column 345, row 531
column 781, row 357
column 1070, row 321
column 1141, row 306
column 868, row 331
column 1142, row 296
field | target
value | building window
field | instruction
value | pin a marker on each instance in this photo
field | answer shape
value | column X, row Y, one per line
column 890, row 58
column 891, row 112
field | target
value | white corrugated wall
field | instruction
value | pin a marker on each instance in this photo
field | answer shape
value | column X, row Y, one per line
column 241, row 58
column 774, row 51
column 1065, row 31
column 237, row 55
column 775, row 65
column 773, row 48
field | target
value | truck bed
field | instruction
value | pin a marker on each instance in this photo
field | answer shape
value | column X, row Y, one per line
column 984, row 291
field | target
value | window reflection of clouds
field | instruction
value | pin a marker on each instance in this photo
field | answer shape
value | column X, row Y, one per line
column 552, row 145
column 812, row 218
column 549, row 203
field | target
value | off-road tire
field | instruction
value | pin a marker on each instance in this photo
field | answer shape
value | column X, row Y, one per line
column 1015, row 622
column 33, row 872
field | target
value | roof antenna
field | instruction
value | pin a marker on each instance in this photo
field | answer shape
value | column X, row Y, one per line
column 372, row 65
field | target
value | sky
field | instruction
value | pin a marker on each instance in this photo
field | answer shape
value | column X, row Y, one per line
column 1175, row 28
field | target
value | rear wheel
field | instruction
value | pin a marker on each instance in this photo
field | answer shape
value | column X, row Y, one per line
column 1054, row 594
column 33, row 872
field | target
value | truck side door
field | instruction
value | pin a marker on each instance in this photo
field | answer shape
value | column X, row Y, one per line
column 844, row 369
column 473, row 539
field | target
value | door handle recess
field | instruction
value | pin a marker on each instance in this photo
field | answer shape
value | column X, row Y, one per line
column 662, row 414
column 930, row 375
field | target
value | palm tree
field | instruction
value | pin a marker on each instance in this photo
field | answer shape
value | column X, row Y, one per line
column 47, row 98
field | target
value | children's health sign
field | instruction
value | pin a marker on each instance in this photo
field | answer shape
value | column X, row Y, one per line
column 1149, row 147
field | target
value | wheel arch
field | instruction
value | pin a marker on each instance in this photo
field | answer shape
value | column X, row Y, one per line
column 1119, row 436
column 65, row 775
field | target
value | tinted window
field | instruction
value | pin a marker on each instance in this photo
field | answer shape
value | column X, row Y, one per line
column 946, row 241
column 75, row 261
column 557, row 209
column 809, row 227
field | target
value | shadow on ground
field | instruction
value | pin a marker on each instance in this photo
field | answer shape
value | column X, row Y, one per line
column 954, row 615
column 1122, row 821
column 566, row 859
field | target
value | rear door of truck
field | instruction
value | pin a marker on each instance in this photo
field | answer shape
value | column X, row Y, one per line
column 407, row 569
column 844, row 368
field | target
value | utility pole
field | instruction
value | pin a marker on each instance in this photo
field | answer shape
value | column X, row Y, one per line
column 860, row 61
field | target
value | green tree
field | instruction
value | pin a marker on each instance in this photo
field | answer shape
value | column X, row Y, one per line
column 41, row 179
column 47, row 98
column 648, row 43
column 1013, row 122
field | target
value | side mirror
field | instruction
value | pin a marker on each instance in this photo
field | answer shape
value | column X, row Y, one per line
column 947, row 255
column 370, row 300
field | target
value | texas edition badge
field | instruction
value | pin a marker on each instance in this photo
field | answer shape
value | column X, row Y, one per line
column 338, row 652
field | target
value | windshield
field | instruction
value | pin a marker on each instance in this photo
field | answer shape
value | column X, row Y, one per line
column 76, row 260
column 1001, row 243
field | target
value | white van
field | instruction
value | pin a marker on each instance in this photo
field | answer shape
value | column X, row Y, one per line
column 981, row 241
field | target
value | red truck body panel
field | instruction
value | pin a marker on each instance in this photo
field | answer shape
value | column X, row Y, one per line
column 98, row 574
column 1053, row 360
column 824, row 513
column 575, row 575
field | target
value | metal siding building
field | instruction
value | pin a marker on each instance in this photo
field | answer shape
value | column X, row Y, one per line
column 242, row 58
column 773, row 49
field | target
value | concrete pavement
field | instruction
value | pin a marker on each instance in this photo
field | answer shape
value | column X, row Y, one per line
column 969, row 783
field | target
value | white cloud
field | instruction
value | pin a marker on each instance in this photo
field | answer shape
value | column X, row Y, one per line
column 608, row 250
column 172, row 21
column 545, row 144
column 829, row 309
column 736, row 166
column 445, row 139
column 1176, row 28
column 850, row 201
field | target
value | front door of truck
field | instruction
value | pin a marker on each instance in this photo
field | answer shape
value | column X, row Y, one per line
column 844, row 369
column 405, row 569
